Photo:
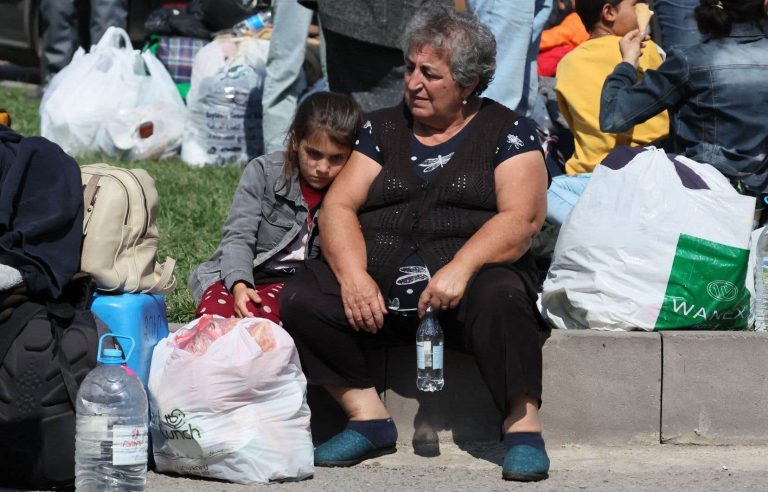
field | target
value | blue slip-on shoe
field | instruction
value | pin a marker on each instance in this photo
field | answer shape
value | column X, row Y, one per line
column 524, row 463
column 348, row 448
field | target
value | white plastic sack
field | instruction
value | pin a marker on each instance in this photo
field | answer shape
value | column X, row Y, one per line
column 102, row 98
column 750, row 282
column 224, row 122
column 652, row 244
column 224, row 408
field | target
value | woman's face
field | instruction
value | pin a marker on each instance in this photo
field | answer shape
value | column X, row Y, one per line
column 430, row 90
column 321, row 159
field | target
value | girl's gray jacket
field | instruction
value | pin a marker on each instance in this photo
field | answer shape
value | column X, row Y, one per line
column 268, row 212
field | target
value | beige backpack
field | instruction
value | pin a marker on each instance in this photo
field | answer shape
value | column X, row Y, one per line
column 121, row 236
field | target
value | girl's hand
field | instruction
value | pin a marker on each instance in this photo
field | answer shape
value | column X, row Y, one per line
column 243, row 293
column 363, row 303
column 446, row 288
column 631, row 46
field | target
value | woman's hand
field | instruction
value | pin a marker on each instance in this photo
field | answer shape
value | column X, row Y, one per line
column 631, row 46
column 446, row 288
column 363, row 303
column 243, row 293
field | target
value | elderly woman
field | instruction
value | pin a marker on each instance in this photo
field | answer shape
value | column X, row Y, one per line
column 437, row 208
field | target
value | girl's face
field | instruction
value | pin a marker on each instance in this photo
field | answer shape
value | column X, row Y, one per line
column 321, row 159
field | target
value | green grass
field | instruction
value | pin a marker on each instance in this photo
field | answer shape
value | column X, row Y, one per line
column 193, row 202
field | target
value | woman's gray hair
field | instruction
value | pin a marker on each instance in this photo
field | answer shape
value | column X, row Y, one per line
column 469, row 44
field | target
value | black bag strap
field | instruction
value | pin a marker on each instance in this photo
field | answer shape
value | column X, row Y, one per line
column 61, row 315
column 15, row 324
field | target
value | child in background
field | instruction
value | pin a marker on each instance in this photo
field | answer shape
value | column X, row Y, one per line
column 580, row 77
column 716, row 90
column 269, row 229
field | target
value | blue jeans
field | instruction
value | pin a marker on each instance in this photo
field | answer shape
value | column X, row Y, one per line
column 563, row 194
column 284, row 82
column 517, row 26
column 678, row 27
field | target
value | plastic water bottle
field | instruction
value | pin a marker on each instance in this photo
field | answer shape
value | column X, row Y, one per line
column 761, row 282
column 429, row 354
column 111, row 433
column 253, row 23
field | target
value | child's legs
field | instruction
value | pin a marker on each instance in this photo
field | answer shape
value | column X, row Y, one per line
column 270, row 302
column 218, row 300
column 563, row 194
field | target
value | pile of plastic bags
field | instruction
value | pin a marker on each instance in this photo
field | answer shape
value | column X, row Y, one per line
column 115, row 100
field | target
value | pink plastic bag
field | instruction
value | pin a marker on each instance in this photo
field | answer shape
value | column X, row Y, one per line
column 198, row 338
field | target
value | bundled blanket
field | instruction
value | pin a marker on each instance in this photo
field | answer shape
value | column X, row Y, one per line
column 41, row 212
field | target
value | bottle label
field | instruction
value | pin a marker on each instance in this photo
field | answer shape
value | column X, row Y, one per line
column 437, row 357
column 93, row 436
column 129, row 445
column 423, row 352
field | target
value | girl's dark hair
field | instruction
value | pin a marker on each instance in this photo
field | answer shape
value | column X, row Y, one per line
column 716, row 17
column 337, row 115
column 590, row 11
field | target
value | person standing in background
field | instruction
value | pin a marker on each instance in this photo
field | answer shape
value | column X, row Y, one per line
column 59, row 23
column 517, row 26
column 362, row 47
column 283, row 83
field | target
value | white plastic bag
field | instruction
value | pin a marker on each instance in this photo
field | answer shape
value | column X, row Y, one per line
column 652, row 244
column 99, row 101
column 223, row 407
column 153, row 128
column 224, row 121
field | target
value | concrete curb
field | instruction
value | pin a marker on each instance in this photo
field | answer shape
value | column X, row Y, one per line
column 600, row 388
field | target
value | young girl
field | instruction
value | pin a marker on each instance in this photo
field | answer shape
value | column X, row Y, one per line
column 269, row 229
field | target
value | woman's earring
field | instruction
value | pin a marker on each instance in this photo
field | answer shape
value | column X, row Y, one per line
column 464, row 101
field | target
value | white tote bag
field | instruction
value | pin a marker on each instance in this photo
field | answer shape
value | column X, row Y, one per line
column 233, row 407
column 652, row 244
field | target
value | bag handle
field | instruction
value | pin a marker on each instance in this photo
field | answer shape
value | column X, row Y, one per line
column 167, row 282
column 112, row 38
column 89, row 195
column 61, row 315
column 15, row 324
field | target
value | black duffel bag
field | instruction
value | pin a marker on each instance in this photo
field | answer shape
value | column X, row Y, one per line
column 46, row 350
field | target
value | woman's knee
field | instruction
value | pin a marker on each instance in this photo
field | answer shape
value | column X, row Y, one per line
column 498, row 289
column 297, row 301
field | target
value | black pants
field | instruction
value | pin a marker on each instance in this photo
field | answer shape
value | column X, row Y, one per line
column 370, row 73
column 497, row 321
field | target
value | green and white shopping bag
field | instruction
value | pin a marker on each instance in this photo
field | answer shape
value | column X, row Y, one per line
column 656, row 242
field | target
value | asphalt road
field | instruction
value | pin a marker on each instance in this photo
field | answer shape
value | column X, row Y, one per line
column 651, row 468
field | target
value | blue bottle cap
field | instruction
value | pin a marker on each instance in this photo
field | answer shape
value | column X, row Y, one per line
column 112, row 356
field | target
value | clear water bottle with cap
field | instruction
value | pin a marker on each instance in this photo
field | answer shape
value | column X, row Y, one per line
column 429, row 354
column 253, row 23
column 112, row 417
column 761, row 282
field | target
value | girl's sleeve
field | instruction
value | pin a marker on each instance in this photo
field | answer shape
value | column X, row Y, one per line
column 238, row 236
column 625, row 103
